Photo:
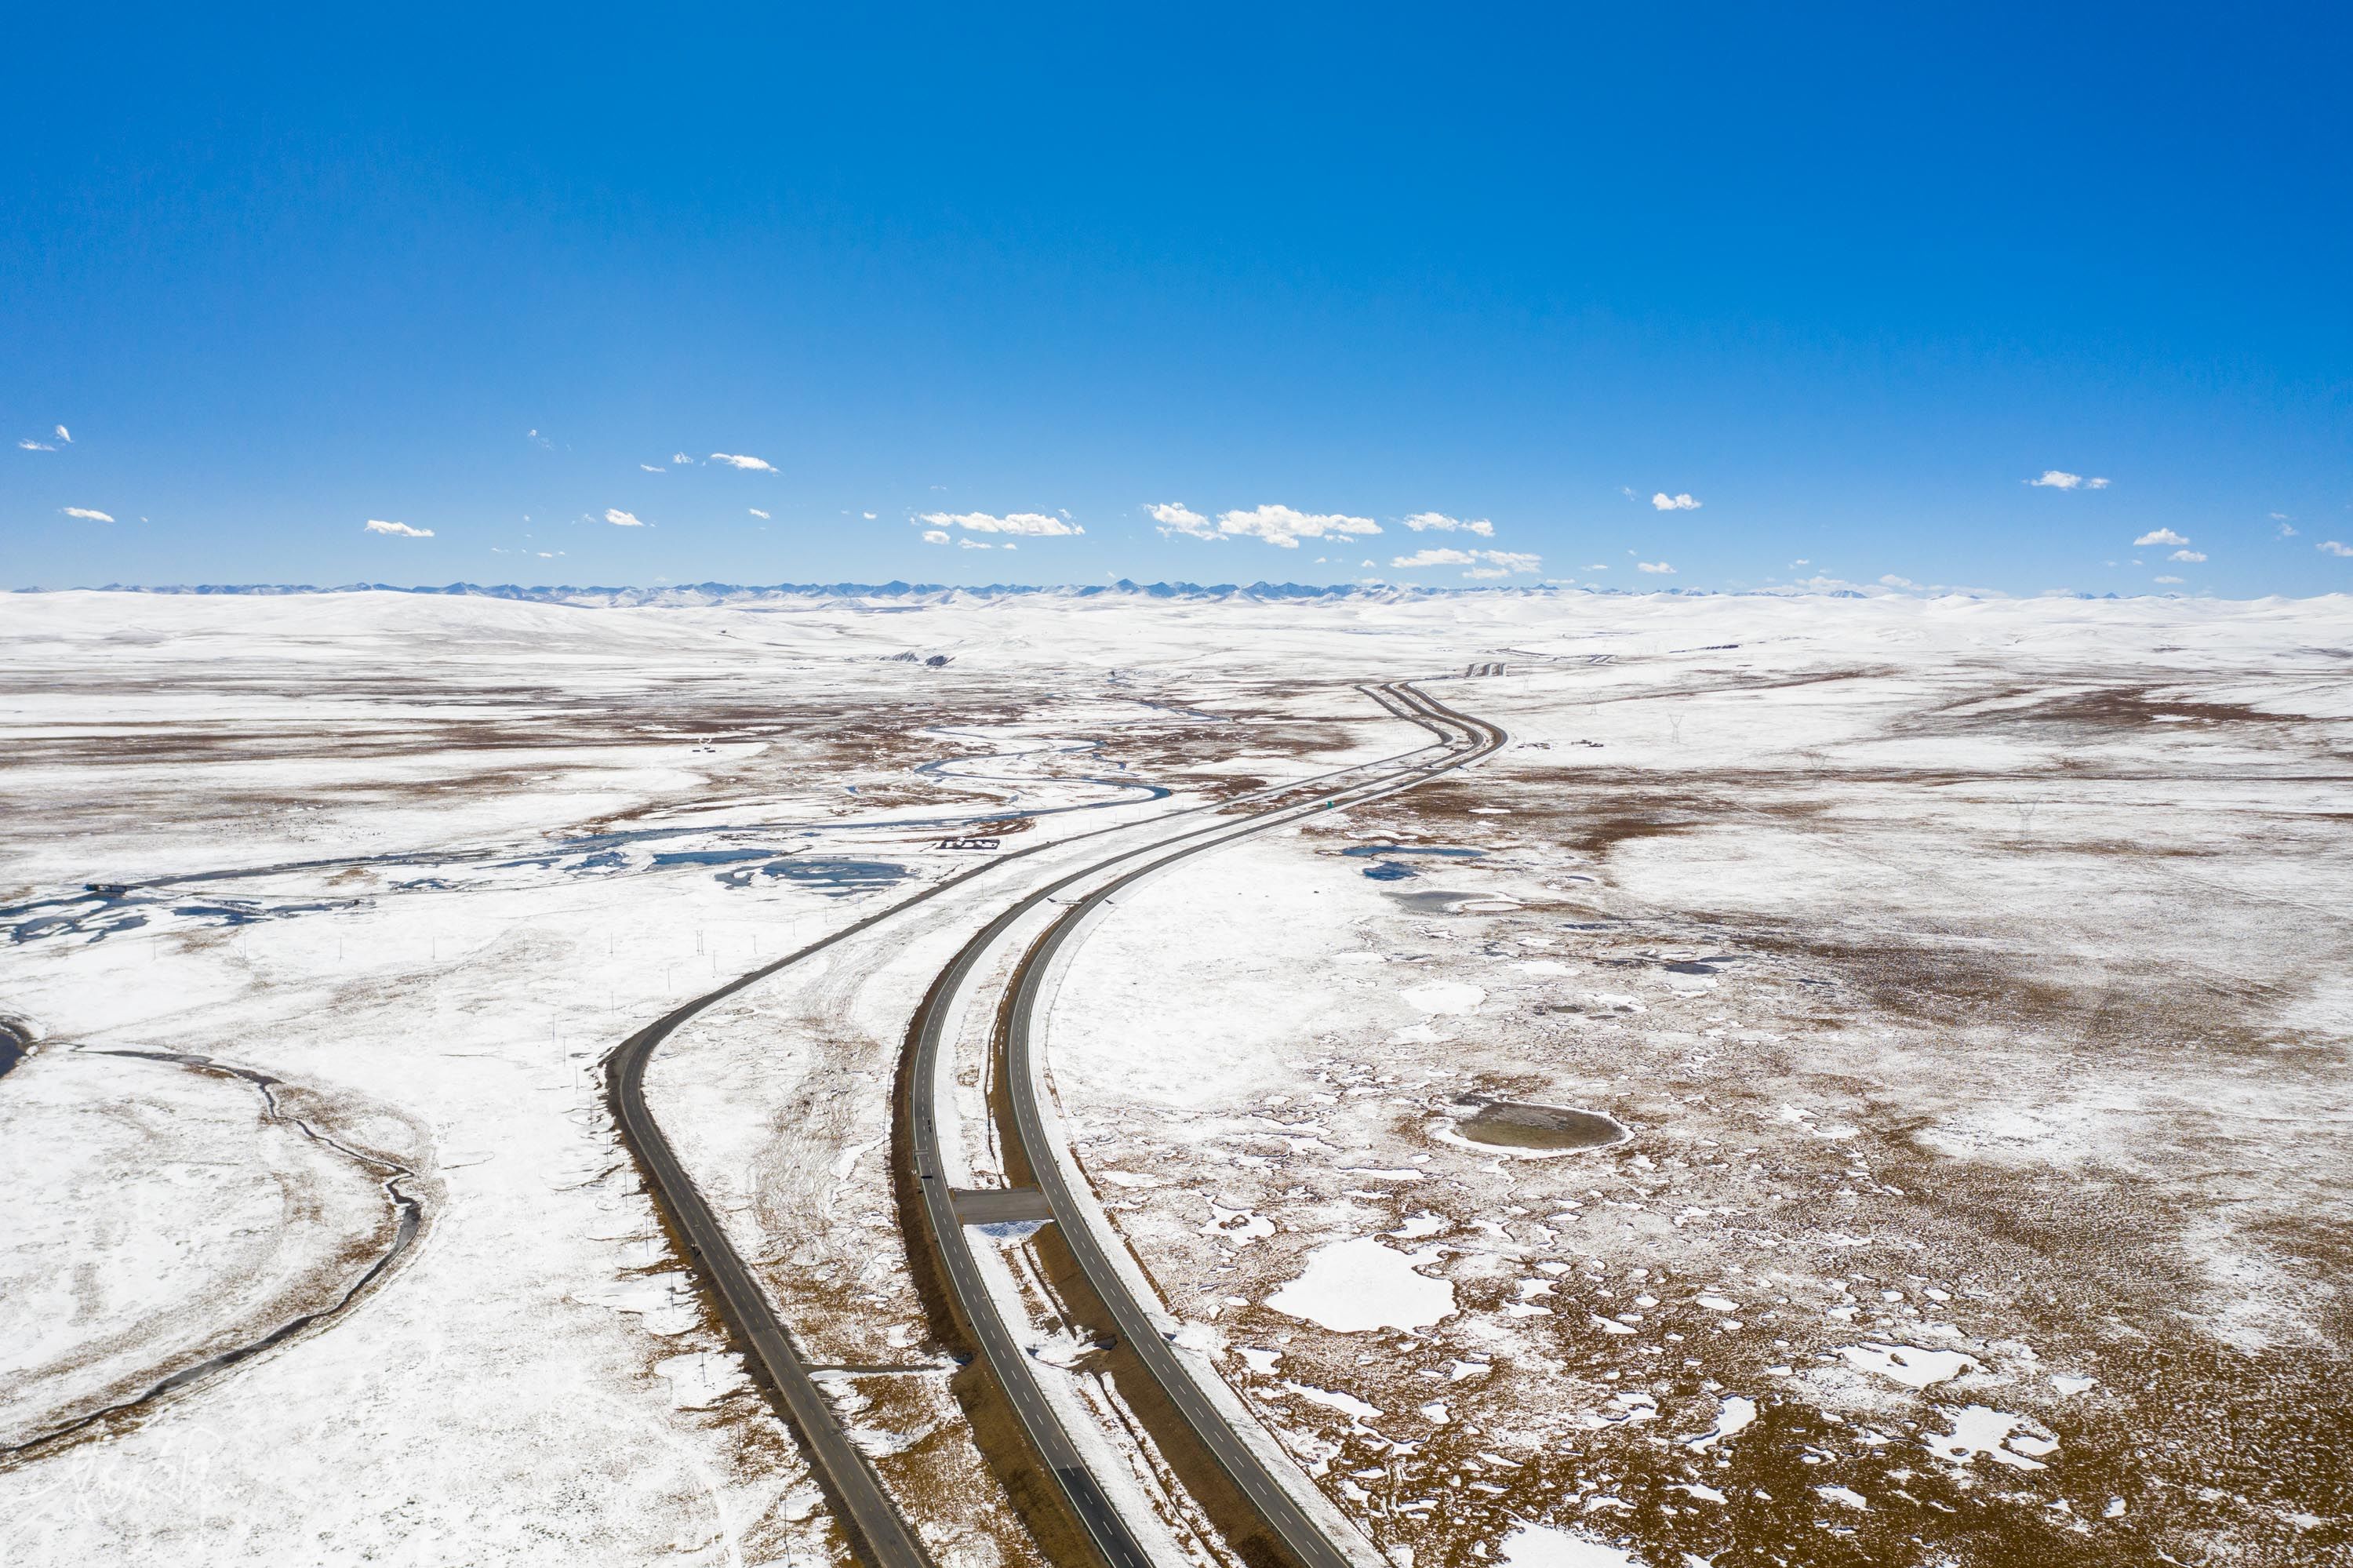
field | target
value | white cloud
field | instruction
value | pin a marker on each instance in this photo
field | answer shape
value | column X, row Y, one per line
column 868, row 515
column 2286, row 529
column 736, row 459
column 1482, row 563
column 1891, row 580
column 972, row 543
column 2334, row 547
column 2159, row 537
column 681, row 460
column 2172, row 580
column 1658, row 568
column 1596, row 566
column 1029, row 524
column 620, row 519
column 32, row 446
column 1175, row 517
column 399, row 530
column 2060, row 479
column 65, row 434
column 2187, row 556
column 1665, row 502
column 934, row 537
column 758, row 512
column 1421, row 520
column 1281, row 526
column 85, row 514
column 653, row 468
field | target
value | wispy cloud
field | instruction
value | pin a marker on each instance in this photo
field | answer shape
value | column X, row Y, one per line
column 653, row 468
column 2172, row 579
column 2334, row 547
column 680, row 459
column 737, row 460
column 934, row 537
column 1422, row 522
column 758, row 512
column 620, row 519
column 30, row 445
column 398, row 530
column 1664, row 503
column 86, row 514
column 2159, row 536
column 1028, row 525
column 2286, row 529
column 65, row 434
column 972, row 544
column 2187, row 556
column 1175, row 517
column 868, row 515
column 1283, row 526
column 1659, row 568
column 2060, row 479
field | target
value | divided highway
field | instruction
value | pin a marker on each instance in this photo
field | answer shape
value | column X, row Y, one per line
column 1465, row 740
column 879, row 1533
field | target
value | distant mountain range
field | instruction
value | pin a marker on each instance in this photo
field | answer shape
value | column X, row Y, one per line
column 691, row 594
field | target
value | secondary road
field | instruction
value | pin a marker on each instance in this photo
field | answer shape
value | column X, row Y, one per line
column 879, row 1532
column 1465, row 739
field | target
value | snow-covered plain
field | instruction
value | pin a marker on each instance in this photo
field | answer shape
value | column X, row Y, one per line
column 1971, row 976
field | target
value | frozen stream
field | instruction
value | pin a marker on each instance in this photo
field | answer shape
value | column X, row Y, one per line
column 99, row 910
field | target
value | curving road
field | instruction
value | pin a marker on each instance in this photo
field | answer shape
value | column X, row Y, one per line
column 1465, row 739
column 878, row 1532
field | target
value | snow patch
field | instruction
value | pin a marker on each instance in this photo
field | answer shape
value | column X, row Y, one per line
column 1733, row 1419
column 1352, row 1285
column 1908, row 1364
column 701, row 1378
column 1447, row 998
column 1980, row 1429
column 1544, row 1546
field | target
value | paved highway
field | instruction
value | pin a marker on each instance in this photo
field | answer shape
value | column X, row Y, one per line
column 1465, row 739
column 877, row 1529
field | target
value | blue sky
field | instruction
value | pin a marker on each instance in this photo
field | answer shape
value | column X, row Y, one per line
column 1848, row 280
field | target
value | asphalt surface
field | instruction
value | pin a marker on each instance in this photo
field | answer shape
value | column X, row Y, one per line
column 878, row 1532
column 881, row 1535
column 1466, row 739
